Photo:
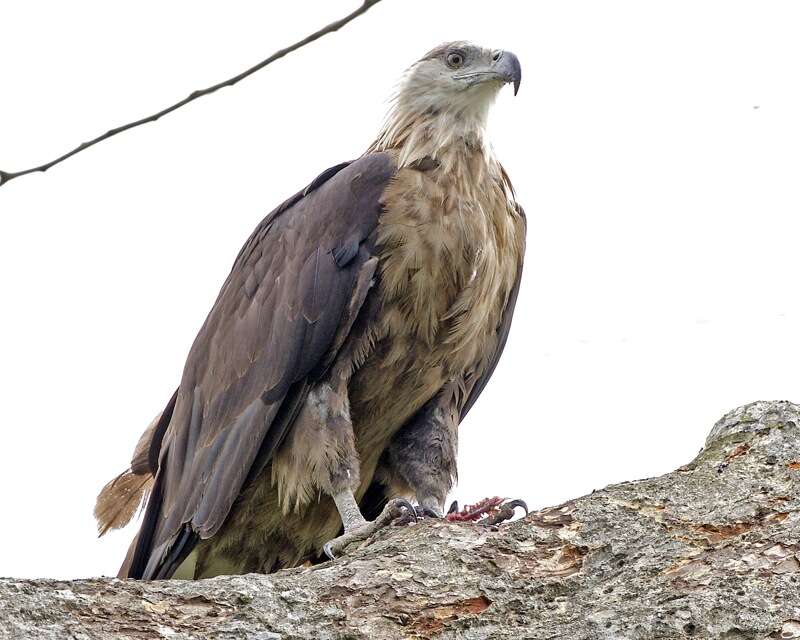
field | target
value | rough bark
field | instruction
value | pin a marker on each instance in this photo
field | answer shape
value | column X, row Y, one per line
column 711, row 550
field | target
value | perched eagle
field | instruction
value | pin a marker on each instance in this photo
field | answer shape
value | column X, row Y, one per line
column 359, row 323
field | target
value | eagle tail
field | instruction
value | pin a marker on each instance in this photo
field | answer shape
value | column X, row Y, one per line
column 118, row 501
column 120, row 498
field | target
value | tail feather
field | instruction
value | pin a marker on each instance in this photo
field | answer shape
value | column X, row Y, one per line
column 119, row 500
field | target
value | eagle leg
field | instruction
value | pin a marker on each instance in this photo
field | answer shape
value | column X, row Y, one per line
column 356, row 528
column 421, row 458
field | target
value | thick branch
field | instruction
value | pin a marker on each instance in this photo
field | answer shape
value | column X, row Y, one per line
column 708, row 551
column 6, row 176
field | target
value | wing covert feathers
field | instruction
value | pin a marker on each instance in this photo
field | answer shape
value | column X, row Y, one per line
column 278, row 316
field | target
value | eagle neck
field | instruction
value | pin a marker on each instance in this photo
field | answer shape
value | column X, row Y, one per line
column 445, row 136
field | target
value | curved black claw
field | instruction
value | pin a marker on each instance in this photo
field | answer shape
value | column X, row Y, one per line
column 513, row 504
column 504, row 512
column 402, row 503
column 453, row 507
column 427, row 512
column 408, row 512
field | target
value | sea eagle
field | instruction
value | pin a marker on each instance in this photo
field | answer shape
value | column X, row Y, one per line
column 359, row 323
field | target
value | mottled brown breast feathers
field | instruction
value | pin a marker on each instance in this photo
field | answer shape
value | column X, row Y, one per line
column 450, row 243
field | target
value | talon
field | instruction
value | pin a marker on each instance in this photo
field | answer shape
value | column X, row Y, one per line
column 408, row 513
column 453, row 507
column 513, row 504
column 402, row 503
column 504, row 512
column 327, row 548
column 427, row 512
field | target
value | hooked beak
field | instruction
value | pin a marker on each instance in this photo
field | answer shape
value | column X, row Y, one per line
column 505, row 67
column 508, row 68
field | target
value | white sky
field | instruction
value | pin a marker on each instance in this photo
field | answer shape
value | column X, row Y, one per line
column 654, row 145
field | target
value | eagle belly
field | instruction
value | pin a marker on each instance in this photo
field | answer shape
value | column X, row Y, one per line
column 448, row 259
column 448, row 253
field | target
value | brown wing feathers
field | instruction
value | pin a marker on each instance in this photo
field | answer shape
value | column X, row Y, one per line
column 278, row 315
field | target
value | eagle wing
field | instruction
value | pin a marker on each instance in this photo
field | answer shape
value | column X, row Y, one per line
column 274, row 327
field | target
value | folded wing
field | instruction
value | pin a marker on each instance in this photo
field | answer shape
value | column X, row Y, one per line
column 273, row 330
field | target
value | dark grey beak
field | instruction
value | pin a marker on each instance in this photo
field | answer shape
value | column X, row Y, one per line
column 507, row 66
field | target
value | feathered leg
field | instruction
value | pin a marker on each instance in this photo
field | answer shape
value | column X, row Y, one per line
column 320, row 455
column 421, row 459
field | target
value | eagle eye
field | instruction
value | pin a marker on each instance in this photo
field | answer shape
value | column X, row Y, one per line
column 455, row 59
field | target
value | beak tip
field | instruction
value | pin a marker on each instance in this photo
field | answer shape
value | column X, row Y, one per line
column 513, row 69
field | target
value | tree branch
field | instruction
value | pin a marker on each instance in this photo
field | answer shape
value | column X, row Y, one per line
column 711, row 550
column 6, row 176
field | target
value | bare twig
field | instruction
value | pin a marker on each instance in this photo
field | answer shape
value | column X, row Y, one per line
column 6, row 176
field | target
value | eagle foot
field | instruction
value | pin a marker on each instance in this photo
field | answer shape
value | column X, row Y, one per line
column 419, row 512
column 489, row 511
column 395, row 510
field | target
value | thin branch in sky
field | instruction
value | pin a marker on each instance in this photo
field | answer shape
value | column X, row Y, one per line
column 6, row 176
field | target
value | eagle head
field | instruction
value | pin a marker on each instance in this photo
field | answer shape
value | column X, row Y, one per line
column 459, row 78
column 457, row 69
column 446, row 96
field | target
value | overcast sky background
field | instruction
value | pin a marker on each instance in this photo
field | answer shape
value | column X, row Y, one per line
column 654, row 145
